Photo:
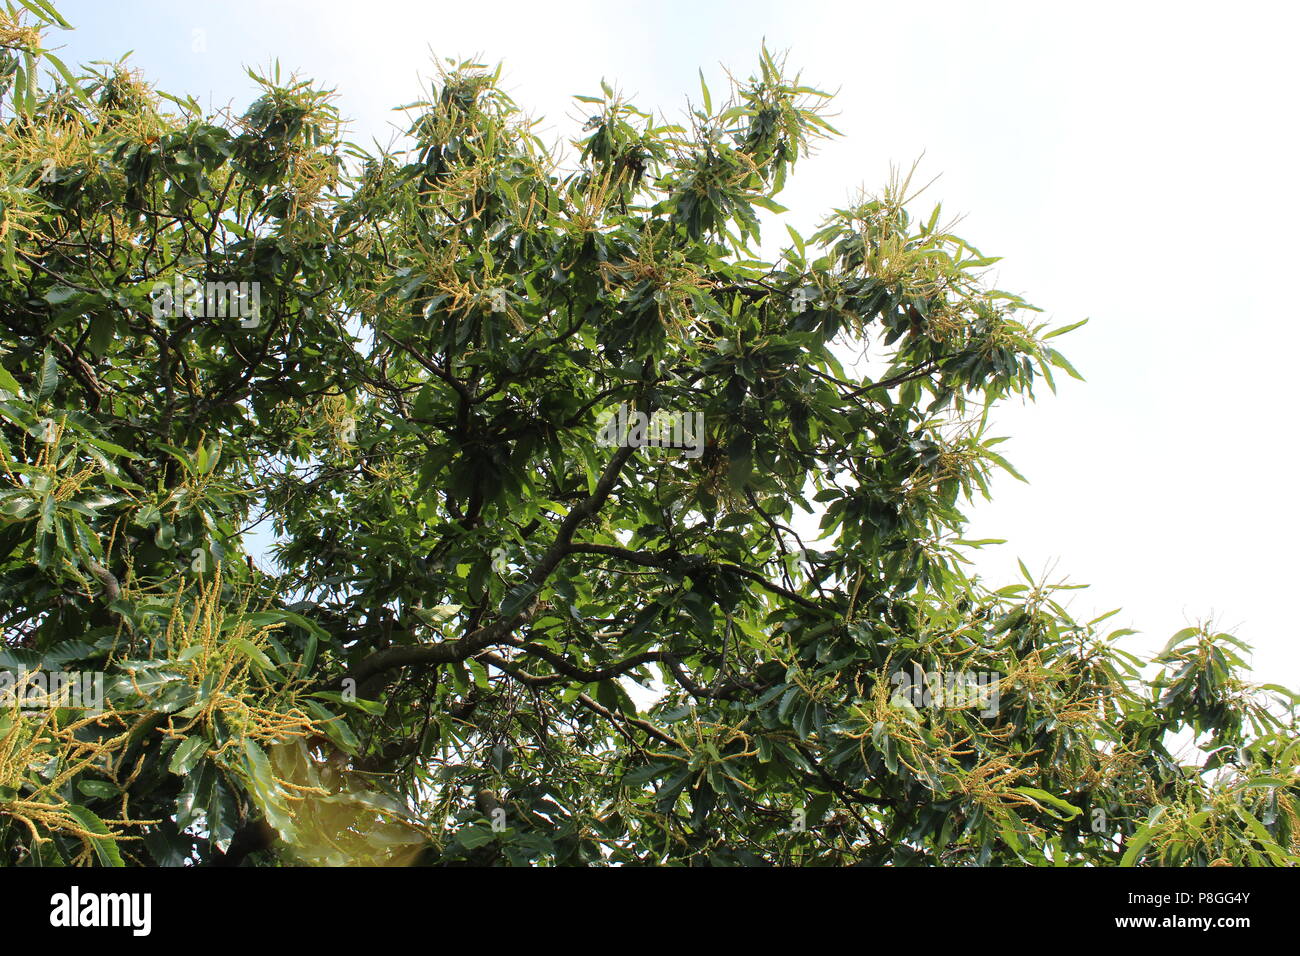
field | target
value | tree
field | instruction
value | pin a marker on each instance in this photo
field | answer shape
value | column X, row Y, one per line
column 500, row 626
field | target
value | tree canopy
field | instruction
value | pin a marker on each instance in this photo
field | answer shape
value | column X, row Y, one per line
column 305, row 451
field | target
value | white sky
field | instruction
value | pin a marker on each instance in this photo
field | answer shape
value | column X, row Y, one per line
column 1134, row 164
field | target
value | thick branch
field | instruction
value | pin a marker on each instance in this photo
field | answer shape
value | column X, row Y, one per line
column 496, row 632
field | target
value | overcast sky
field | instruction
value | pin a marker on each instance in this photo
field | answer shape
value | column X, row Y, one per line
column 1132, row 164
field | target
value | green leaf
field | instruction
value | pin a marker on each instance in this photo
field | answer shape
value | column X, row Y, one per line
column 45, row 11
column 1060, row 361
column 266, row 792
column 49, row 379
column 1067, row 811
column 103, row 842
column 1005, row 465
column 1067, row 328
column 99, row 789
column 256, row 655
column 190, row 751
column 68, row 78
column 475, row 836
column 1138, row 841
column 59, row 294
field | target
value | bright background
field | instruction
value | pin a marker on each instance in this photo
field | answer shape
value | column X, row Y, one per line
column 1132, row 163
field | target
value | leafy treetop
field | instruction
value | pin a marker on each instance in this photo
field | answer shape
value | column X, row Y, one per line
column 489, row 636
